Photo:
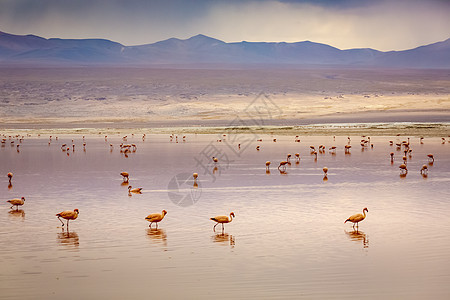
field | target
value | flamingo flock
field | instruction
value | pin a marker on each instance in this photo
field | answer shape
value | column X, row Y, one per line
column 365, row 143
column 155, row 218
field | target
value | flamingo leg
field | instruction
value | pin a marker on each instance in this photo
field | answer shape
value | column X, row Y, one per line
column 222, row 227
column 61, row 221
column 214, row 228
column 150, row 224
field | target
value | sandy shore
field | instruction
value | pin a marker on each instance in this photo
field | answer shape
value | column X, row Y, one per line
column 337, row 129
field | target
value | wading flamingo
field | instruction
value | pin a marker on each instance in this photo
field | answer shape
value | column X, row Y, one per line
column 267, row 165
column 355, row 219
column 222, row 220
column 10, row 176
column 347, row 148
column 16, row 202
column 135, row 190
column 403, row 169
column 155, row 218
column 288, row 158
column 424, row 169
column 325, row 171
column 125, row 176
column 195, row 175
column 283, row 165
column 68, row 215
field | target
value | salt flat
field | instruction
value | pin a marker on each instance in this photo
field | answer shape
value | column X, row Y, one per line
column 68, row 97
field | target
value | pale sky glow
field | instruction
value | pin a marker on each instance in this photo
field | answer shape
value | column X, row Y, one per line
column 383, row 25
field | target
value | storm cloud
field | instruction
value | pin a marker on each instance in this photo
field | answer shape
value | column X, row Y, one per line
column 382, row 25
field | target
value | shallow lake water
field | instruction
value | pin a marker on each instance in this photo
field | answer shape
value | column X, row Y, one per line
column 287, row 241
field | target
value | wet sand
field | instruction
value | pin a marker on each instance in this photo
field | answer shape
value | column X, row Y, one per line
column 419, row 129
column 288, row 239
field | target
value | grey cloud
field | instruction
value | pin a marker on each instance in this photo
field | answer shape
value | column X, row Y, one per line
column 382, row 25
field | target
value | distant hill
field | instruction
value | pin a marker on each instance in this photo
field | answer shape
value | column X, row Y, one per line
column 203, row 50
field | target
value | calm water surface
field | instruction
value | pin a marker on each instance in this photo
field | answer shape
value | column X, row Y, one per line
column 288, row 239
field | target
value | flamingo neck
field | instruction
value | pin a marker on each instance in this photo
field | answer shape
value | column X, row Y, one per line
column 231, row 217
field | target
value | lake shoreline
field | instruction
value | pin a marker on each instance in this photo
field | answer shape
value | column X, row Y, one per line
column 339, row 129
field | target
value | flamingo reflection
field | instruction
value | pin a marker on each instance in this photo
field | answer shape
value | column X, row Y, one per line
column 159, row 236
column 358, row 236
column 19, row 213
column 224, row 239
column 195, row 191
column 68, row 239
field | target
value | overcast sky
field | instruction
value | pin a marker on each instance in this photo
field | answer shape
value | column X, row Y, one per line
column 383, row 25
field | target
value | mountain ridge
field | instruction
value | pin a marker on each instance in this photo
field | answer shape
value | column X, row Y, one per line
column 201, row 49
